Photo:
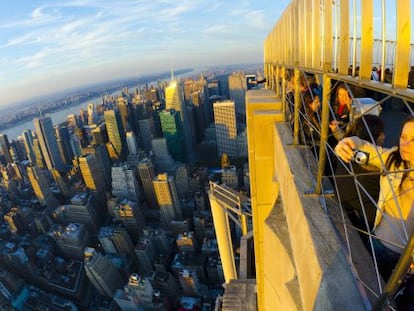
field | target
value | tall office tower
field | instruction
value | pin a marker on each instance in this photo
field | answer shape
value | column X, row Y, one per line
column 151, row 94
column 237, row 89
column 226, row 130
column 28, row 145
column 142, row 289
column 190, row 283
column 17, row 147
column 147, row 130
column 40, row 161
column 82, row 136
column 82, row 118
column 165, row 283
column 189, row 261
column 172, row 130
column 71, row 240
column 76, row 146
column 101, row 154
column 214, row 270
column 92, row 115
column 138, row 294
column 17, row 221
column 163, row 245
column 62, row 182
column 81, row 209
column 17, row 260
column 162, row 158
column 131, row 143
column 146, row 252
column 17, row 171
column 72, row 120
column 147, row 174
column 174, row 100
column 230, row 178
column 122, row 104
column 48, row 144
column 167, row 198
column 116, row 241
column 102, row 273
column 129, row 213
column 92, row 174
column 200, row 114
column 124, row 182
column 100, row 135
column 41, row 187
column 242, row 144
column 214, row 88
column 186, row 242
column 63, row 139
column 116, row 133
column 5, row 148
column 181, row 180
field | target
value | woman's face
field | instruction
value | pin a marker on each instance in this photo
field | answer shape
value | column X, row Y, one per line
column 343, row 97
column 407, row 142
column 314, row 106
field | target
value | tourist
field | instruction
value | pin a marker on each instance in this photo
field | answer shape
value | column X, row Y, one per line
column 359, row 192
column 394, row 220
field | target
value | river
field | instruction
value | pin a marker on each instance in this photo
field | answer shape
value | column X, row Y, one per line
column 57, row 117
column 61, row 115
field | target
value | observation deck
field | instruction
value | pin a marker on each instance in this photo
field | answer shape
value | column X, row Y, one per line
column 308, row 254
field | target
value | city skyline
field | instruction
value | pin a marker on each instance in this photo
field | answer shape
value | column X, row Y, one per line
column 46, row 47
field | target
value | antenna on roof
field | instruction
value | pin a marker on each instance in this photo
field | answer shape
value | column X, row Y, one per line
column 139, row 89
column 172, row 72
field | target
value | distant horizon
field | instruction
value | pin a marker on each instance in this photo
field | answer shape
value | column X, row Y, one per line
column 70, row 91
column 47, row 47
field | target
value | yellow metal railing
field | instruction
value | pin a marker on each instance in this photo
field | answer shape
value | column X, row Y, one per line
column 335, row 41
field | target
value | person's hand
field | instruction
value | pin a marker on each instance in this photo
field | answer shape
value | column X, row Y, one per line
column 333, row 125
column 345, row 149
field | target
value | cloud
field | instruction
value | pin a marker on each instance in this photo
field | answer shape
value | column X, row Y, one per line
column 35, row 18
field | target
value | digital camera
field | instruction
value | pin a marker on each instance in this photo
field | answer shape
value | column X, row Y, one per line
column 360, row 157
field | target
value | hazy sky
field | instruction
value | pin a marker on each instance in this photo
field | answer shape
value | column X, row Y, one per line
column 49, row 45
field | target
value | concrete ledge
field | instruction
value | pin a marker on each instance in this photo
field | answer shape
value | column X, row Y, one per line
column 325, row 279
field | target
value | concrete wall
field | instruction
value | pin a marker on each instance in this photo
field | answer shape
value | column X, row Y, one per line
column 301, row 263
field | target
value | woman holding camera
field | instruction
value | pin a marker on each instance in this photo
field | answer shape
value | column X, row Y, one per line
column 342, row 111
column 394, row 221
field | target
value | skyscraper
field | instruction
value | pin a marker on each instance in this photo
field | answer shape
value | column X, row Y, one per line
column 146, row 252
column 167, row 198
column 41, row 187
column 28, row 145
column 237, row 89
column 5, row 148
column 92, row 174
column 130, row 214
column 102, row 273
column 190, row 283
column 124, row 182
column 116, row 241
column 147, row 174
column 162, row 158
column 172, row 130
column 48, row 144
column 174, row 100
column 63, row 139
column 226, row 130
column 39, row 159
column 116, row 133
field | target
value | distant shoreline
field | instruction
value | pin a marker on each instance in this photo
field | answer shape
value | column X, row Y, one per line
column 67, row 100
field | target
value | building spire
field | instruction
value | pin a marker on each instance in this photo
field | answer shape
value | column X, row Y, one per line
column 172, row 72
